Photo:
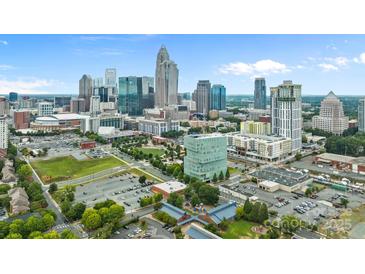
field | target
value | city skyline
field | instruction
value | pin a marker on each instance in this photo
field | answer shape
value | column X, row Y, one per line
column 53, row 64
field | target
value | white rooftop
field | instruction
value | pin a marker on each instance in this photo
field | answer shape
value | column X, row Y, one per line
column 171, row 186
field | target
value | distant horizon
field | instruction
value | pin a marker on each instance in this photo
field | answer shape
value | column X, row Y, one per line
column 35, row 64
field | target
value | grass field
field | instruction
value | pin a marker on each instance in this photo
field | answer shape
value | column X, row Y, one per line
column 154, row 151
column 232, row 170
column 65, row 168
column 140, row 172
column 239, row 229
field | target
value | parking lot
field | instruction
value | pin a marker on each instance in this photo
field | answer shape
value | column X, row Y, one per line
column 123, row 189
column 3, row 214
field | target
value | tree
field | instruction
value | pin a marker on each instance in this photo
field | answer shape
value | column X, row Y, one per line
column 247, row 207
column 240, row 212
column 215, row 179
column 142, row 179
column 227, row 174
column 35, row 224
column 157, row 197
column 24, row 173
column 290, row 223
column 68, row 234
column 48, row 221
column 254, row 214
column 51, row 235
column 53, row 188
column 221, row 176
column 208, row 195
column 116, row 212
column 14, row 236
column 79, row 209
column 344, row 202
column 308, row 192
column 35, row 235
column 263, row 213
column 195, row 200
column 175, row 200
column 4, row 229
column 92, row 221
column 298, row 156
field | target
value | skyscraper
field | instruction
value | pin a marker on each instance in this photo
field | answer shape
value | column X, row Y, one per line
column 95, row 105
column 45, row 109
column 218, row 97
column 260, row 93
column 361, row 115
column 202, row 96
column 13, row 96
column 77, row 105
column 111, row 77
column 166, row 79
column 286, row 112
column 4, row 106
column 4, row 134
column 130, row 95
column 148, row 92
column 86, row 90
column 98, row 82
column 331, row 116
column 60, row 101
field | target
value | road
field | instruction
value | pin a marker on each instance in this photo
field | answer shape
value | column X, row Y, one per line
column 137, row 214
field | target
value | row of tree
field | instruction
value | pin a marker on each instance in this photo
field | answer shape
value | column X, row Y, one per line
column 255, row 212
column 347, row 145
column 198, row 192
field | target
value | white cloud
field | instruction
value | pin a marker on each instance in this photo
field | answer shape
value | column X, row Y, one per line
column 339, row 61
column 261, row 67
column 5, row 67
column 3, row 42
column 328, row 67
column 28, row 85
column 331, row 47
column 360, row 59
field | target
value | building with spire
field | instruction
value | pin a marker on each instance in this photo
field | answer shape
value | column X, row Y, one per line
column 331, row 117
column 166, row 79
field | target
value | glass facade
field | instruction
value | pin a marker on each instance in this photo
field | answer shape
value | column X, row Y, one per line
column 260, row 93
column 218, row 97
column 130, row 95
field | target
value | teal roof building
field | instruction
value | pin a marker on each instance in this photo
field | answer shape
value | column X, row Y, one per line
column 206, row 155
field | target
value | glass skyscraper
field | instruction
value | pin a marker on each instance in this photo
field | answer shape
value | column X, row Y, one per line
column 260, row 93
column 218, row 97
column 361, row 115
column 130, row 95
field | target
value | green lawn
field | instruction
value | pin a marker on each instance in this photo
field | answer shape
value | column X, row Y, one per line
column 65, row 168
column 154, row 151
column 232, row 170
column 239, row 229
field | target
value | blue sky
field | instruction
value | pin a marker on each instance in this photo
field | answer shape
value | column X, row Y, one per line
column 55, row 63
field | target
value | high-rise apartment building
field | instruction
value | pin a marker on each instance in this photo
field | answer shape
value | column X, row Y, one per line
column 4, row 106
column 218, row 97
column 361, row 115
column 202, row 96
column 260, row 93
column 286, row 112
column 94, row 105
column 252, row 127
column 13, row 96
column 21, row 119
column 4, row 135
column 206, row 155
column 166, row 79
column 331, row 117
column 77, row 105
column 86, row 90
column 110, row 77
column 130, row 95
column 45, row 109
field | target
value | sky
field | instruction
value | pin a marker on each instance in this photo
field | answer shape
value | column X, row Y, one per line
column 53, row 64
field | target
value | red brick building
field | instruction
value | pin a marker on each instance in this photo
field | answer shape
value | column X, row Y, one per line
column 21, row 119
column 87, row 144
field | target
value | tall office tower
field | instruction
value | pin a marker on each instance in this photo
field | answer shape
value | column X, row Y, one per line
column 4, row 135
column 60, row 101
column 331, row 117
column 286, row 112
column 166, row 79
column 202, row 96
column 103, row 93
column 111, row 77
column 130, row 95
column 45, row 109
column 77, row 105
column 98, row 82
column 148, row 92
column 206, row 155
column 4, row 106
column 361, row 115
column 13, row 96
column 21, row 119
column 260, row 93
column 218, row 97
column 95, row 105
column 86, row 90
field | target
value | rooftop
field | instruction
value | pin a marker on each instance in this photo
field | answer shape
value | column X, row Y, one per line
column 69, row 116
column 281, row 175
column 336, row 157
column 226, row 211
column 171, row 186
column 173, row 211
column 197, row 232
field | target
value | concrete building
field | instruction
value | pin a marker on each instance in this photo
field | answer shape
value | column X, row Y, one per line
column 45, row 109
column 176, row 112
column 190, row 104
column 157, row 126
column 27, row 102
column 341, row 162
column 61, row 101
column 331, row 116
column 261, row 147
column 89, row 124
column 4, row 106
column 78, row 105
column 361, row 115
column 286, row 112
column 168, row 187
column 21, row 119
column 4, row 135
column 95, row 105
column 255, row 114
column 86, row 90
column 166, row 79
column 202, row 96
column 206, row 156
column 218, row 97
column 252, row 127
column 112, row 120
column 110, row 77
column 260, row 93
